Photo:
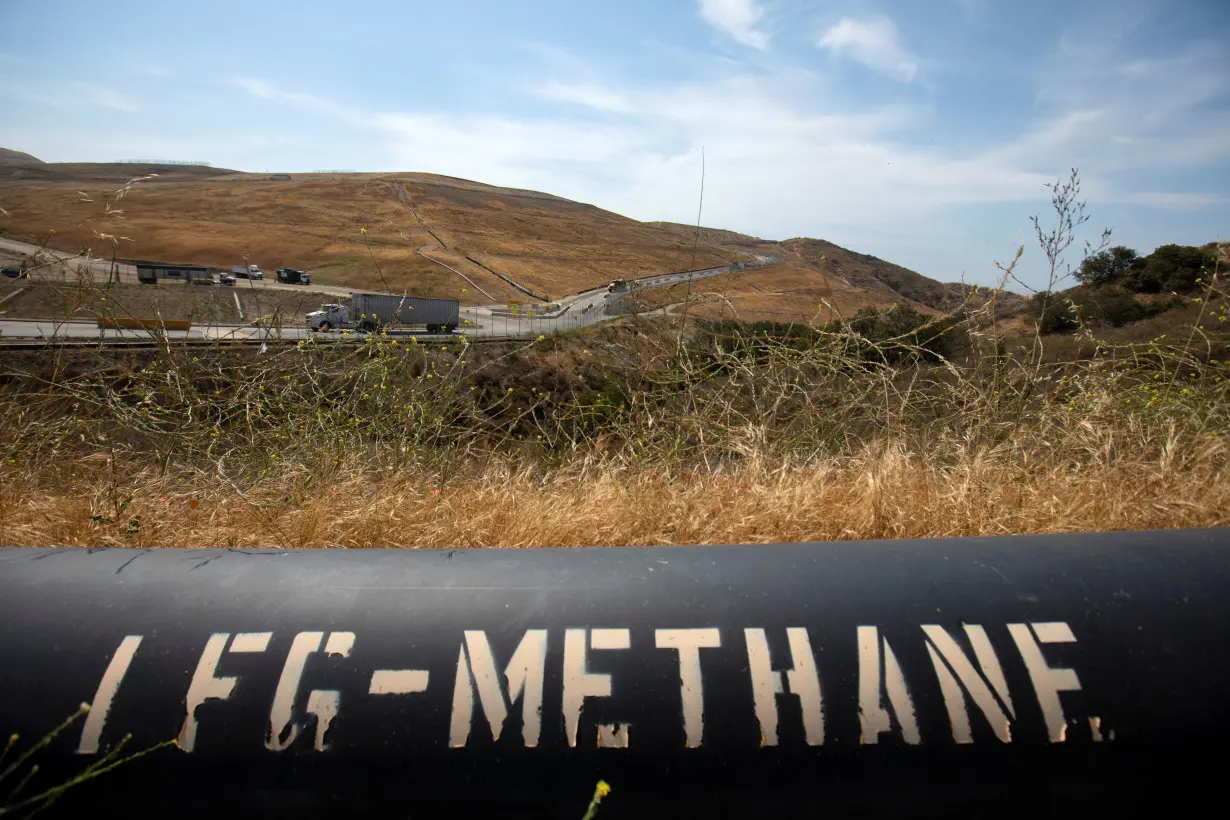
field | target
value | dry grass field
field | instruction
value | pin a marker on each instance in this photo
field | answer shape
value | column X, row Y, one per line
column 647, row 430
column 789, row 291
column 613, row 436
column 882, row 491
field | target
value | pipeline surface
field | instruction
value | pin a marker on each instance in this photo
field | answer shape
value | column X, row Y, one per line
column 1059, row 675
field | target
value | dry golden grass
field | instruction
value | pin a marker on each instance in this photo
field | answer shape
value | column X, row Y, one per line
column 772, row 441
column 883, row 492
column 789, row 291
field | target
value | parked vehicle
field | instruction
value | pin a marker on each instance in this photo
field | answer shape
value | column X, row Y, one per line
column 371, row 311
column 254, row 272
column 226, row 279
column 249, row 272
column 14, row 273
column 290, row 276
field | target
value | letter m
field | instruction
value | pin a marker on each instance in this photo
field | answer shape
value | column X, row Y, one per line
column 476, row 669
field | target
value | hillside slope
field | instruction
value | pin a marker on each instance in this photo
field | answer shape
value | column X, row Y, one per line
column 368, row 231
column 17, row 168
column 427, row 234
column 876, row 275
column 883, row 282
column 18, row 159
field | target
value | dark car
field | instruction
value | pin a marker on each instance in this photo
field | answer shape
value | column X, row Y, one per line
column 13, row 273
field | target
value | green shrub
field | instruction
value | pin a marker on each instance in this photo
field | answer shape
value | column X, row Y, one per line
column 1116, row 307
column 1111, row 306
column 902, row 333
column 890, row 336
column 598, row 407
column 1053, row 312
column 1170, row 267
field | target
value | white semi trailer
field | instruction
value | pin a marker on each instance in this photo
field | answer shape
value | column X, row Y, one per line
column 371, row 311
column 250, row 272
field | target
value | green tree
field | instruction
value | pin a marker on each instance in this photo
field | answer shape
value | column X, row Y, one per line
column 1170, row 267
column 1107, row 266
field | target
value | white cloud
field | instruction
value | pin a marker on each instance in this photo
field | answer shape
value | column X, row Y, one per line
column 107, row 98
column 266, row 91
column 738, row 18
column 776, row 168
column 875, row 43
column 589, row 95
column 12, row 88
column 508, row 151
column 1123, row 116
column 72, row 95
column 1171, row 201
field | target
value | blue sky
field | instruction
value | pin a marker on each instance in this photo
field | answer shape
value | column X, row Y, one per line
column 921, row 131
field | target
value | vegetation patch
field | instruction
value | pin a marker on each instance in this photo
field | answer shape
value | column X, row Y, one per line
column 648, row 430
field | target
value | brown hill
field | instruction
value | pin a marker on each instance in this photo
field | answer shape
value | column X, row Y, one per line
column 80, row 174
column 712, row 236
column 17, row 159
column 883, row 281
column 1221, row 250
column 427, row 234
column 359, row 230
column 865, row 271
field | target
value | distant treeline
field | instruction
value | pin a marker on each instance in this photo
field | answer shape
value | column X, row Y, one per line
column 1112, row 279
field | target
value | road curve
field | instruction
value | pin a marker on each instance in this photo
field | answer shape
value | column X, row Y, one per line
column 487, row 321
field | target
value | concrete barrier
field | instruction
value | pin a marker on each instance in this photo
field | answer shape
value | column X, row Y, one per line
column 1065, row 675
column 114, row 323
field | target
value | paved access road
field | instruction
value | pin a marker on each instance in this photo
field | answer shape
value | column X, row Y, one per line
column 580, row 310
column 34, row 329
column 584, row 309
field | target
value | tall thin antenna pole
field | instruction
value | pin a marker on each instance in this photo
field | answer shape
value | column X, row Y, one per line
column 700, row 207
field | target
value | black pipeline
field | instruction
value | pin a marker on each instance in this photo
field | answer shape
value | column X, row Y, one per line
column 1053, row 675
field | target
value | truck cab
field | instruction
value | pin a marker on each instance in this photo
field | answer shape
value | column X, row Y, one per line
column 291, row 276
column 329, row 317
column 254, row 272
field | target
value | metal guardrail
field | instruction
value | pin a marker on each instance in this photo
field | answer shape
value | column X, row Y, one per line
column 1065, row 675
